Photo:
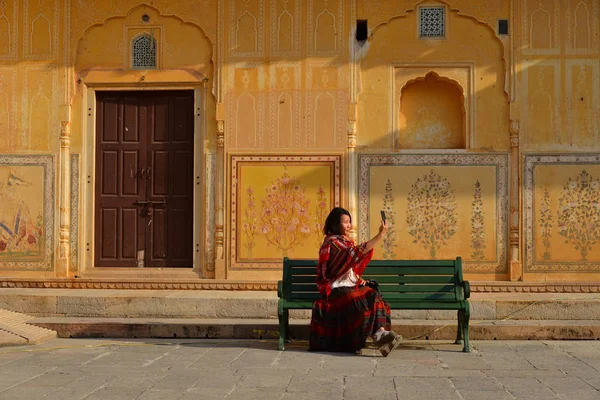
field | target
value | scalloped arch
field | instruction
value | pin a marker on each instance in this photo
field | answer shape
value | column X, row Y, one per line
column 128, row 14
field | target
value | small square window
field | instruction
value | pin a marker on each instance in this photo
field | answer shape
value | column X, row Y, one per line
column 432, row 22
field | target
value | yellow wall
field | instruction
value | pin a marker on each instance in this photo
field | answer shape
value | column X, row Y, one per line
column 288, row 78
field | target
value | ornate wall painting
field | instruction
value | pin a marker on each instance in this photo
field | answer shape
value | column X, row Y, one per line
column 438, row 207
column 27, row 212
column 278, row 207
column 41, row 19
column 74, row 225
column 562, row 213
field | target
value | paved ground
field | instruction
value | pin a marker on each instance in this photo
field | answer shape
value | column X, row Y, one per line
column 228, row 369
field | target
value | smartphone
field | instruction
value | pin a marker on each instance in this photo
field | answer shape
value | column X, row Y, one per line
column 383, row 215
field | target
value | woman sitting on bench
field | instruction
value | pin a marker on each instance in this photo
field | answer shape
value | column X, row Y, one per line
column 350, row 310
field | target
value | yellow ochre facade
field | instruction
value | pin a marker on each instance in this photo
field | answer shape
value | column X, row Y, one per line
column 474, row 124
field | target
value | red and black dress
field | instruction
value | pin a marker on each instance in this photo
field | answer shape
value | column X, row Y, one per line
column 348, row 313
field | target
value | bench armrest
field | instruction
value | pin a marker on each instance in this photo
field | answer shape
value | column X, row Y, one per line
column 467, row 289
column 280, row 289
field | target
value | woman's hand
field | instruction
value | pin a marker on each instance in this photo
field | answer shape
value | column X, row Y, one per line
column 383, row 228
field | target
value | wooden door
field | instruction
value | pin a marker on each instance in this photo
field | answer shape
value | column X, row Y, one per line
column 144, row 179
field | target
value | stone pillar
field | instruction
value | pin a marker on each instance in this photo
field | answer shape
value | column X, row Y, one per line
column 352, row 173
column 220, row 272
column 62, row 268
column 516, row 266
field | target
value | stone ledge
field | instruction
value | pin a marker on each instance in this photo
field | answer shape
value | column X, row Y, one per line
column 269, row 329
column 95, row 303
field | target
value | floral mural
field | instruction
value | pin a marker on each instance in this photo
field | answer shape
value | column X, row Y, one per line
column 389, row 240
column 562, row 213
column 279, row 206
column 477, row 221
column 26, row 212
column 285, row 219
column 442, row 206
column 578, row 218
column 21, row 221
column 431, row 215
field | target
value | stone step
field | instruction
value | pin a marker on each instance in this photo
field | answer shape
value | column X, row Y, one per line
column 111, row 303
column 15, row 330
column 70, row 327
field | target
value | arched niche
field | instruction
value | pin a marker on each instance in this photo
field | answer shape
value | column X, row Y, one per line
column 470, row 54
column 431, row 114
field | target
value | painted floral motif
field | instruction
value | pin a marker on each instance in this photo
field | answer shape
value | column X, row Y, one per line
column 477, row 219
column 285, row 218
column 249, row 221
column 546, row 224
column 578, row 217
column 389, row 240
column 321, row 210
column 431, row 215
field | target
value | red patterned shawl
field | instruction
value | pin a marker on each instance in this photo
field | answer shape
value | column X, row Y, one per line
column 337, row 255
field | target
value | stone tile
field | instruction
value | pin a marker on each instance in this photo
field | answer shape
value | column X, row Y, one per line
column 264, row 381
column 180, row 380
column 113, row 393
column 161, row 395
column 53, row 379
column 485, row 395
column 247, row 393
column 526, row 387
column 481, row 385
column 305, row 384
column 316, row 396
column 217, row 382
column 568, row 385
column 25, row 392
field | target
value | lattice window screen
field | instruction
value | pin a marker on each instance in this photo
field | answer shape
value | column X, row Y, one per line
column 432, row 23
column 144, row 52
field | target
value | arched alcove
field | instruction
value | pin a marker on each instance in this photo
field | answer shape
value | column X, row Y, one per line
column 431, row 114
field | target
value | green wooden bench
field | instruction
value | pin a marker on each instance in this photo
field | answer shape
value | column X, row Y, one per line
column 405, row 285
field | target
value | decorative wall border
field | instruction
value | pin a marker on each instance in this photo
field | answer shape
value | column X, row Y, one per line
column 531, row 160
column 233, row 192
column 210, row 181
column 74, row 228
column 47, row 162
column 366, row 161
column 476, row 287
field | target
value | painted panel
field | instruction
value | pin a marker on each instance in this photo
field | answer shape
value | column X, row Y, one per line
column 582, row 20
column 41, row 21
column 325, row 27
column 246, row 106
column 285, row 105
column 583, row 102
column 541, row 22
column 9, row 138
column 278, row 207
column 9, row 28
column 246, row 28
column 562, row 217
column 39, row 108
column 438, row 207
column 27, row 212
column 286, row 25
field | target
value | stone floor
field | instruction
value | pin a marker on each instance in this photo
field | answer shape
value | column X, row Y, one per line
column 253, row 369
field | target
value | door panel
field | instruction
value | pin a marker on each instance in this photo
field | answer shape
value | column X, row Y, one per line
column 144, row 179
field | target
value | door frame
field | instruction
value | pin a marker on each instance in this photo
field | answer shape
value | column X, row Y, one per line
column 87, row 183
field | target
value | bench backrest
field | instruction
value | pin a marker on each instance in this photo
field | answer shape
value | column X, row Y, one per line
column 399, row 280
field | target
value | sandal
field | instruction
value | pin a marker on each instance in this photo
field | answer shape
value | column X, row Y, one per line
column 386, row 349
column 384, row 338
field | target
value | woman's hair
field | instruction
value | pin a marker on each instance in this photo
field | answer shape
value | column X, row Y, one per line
column 333, row 223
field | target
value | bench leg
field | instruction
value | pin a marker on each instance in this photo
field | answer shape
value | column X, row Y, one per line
column 465, row 328
column 288, row 333
column 459, row 328
column 282, row 326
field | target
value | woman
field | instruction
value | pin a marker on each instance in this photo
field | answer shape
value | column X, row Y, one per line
column 350, row 310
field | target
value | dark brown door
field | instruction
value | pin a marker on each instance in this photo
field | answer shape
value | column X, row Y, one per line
column 144, row 179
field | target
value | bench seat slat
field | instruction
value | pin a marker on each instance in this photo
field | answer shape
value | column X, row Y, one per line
column 419, row 296
column 416, row 288
column 409, row 271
